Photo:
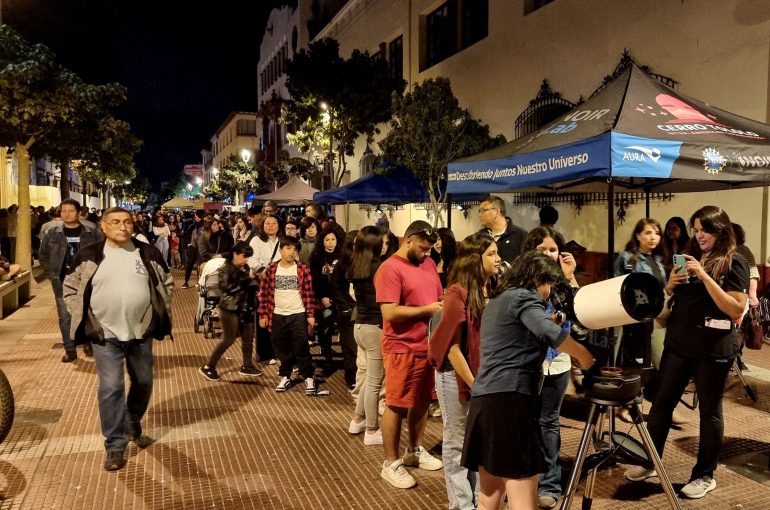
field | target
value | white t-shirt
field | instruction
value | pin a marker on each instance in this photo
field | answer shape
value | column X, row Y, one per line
column 288, row 300
column 120, row 299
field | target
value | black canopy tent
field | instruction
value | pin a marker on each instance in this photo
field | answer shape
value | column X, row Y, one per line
column 636, row 134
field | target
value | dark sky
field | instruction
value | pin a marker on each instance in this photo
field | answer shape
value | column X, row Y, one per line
column 186, row 64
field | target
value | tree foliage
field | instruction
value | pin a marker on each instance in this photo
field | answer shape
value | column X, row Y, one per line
column 135, row 191
column 356, row 92
column 281, row 171
column 428, row 130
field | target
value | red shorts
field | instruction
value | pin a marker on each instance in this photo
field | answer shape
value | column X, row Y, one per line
column 409, row 379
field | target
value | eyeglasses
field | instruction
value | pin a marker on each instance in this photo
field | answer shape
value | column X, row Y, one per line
column 485, row 209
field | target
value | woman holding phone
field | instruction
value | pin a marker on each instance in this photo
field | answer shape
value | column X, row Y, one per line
column 702, row 306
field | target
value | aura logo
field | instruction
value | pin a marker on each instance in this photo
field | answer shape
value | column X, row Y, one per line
column 713, row 161
column 653, row 154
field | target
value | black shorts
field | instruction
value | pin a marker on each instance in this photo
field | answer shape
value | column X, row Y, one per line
column 503, row 435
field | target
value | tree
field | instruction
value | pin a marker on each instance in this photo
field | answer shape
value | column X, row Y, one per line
column 428, row 130
column 135, row 191
column 334, row 101
column 236, row 176
column 43, row 106
column 281, row 171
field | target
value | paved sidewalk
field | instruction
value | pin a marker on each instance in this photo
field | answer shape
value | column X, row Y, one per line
column 238, row 444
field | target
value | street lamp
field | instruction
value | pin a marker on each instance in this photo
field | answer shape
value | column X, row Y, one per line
column 245, row 156
column 198, row 181
column 215, row 171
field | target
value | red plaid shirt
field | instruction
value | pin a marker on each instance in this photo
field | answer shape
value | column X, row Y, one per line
column 267, row 292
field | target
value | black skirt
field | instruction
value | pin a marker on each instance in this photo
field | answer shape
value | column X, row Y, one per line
column 503, row 435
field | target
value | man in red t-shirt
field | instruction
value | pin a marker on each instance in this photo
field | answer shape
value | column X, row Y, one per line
column 409, row 293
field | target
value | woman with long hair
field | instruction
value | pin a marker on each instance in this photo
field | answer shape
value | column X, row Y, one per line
column 236, row 312
column 643, row 254
column 367, row 331
column 454, row 352
column 704, row 299
column 556, row 371
column 502, row 440
column 323, row 261
column 444, row 253
column 675, row 240
column 162, row 233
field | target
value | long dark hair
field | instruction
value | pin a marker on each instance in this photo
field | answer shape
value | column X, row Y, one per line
column 468, row 272
column 241, row 248
column 684, row 237
column 319, row 251
column 448, row 251
column 715, row 221
column 538, row 234
column 305, row 223
column 366, row 248
column 632, row 246
column 528, row 271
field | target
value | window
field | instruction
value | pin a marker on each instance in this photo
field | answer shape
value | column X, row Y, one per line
column 452, row 27
column 441, row 35
column 246, row 127
column 396, row 58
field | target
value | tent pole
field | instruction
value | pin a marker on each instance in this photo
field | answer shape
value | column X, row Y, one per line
column 610, row 226
column 449, row 211
column 347, row 215
column 646, row 202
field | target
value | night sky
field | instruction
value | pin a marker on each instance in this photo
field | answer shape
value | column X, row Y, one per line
column 186, row 64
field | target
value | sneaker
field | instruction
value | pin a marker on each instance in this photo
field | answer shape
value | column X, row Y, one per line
column 357, row 428
column 421, row 459
column 185, row 285
column 434, row 410
column 546, row 502
column 699, row 487
column 114, row 460
column 272, row 361
column 141, row 440
column 373, row 438
column 209, row 373
column 284, row 385
column 397, row 475
column 639, row 473
column 250, row 371
column 69, row 357
column 310, row 386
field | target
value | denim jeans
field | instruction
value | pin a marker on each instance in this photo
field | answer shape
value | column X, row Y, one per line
column 462, row 485
column 121, row 415
column 65, row 320
column 369, row 338
column 710, row 377
column 233, row 325
column 551, row 397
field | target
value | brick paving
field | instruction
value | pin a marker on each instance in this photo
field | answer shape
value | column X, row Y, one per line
column 238, row 444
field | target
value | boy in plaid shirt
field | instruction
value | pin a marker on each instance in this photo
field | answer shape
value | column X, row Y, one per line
column 286, row 306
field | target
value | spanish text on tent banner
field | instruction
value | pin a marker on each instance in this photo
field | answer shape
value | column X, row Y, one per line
column 586, row 158
column 635, row 156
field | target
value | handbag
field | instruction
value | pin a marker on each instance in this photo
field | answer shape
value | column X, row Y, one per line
column 753, row 329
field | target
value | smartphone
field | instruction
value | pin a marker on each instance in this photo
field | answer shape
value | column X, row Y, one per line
column 680, row 261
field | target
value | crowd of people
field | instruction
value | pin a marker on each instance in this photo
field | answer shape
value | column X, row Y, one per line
column 468, row 323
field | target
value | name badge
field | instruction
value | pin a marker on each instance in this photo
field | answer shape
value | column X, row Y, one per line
column 718, row 323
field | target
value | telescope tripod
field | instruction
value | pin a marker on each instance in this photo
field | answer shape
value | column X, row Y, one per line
column 609, row 449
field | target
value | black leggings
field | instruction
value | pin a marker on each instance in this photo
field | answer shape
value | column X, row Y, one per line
column 192, row 258
column 710, row 377
column 233, row 325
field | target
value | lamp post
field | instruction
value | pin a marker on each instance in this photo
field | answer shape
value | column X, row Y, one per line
column 246, row 157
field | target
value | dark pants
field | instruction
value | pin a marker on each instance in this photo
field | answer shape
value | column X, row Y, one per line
column 710, row 377
column 183, row 251
column 65, row 320
column 290, row 342
column 265, row 350
column 233, row 324
column 324, row 328
column 551, row 397
column 192, row 258
column 121, row 415
column 348, row 344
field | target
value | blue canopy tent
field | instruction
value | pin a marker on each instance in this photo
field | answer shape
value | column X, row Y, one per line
column 398, row 187
column 637, row 133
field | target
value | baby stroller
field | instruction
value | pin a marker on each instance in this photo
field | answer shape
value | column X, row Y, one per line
column 207, row 316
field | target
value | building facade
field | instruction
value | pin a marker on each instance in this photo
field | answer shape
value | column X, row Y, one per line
column 497, row 53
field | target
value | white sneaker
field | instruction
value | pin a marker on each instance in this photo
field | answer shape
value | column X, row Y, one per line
column 357, row 428
column 284, row 385
column 374, row 438
column 421, row 459
column 397, row 475
column 310, row 387
column 639, row 474
column 699, row 487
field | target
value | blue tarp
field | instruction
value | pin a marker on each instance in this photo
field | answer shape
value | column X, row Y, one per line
column 398, row 187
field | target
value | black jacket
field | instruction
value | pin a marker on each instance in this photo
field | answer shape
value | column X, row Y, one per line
column 511, row 243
